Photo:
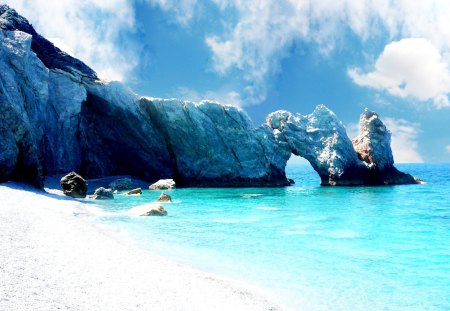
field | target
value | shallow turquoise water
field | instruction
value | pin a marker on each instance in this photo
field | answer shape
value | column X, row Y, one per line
column 314, row 248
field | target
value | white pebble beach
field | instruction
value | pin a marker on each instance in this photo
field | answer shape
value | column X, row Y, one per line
column 54, row 257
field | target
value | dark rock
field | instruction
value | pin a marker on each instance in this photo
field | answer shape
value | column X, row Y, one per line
column 136, row 191
column 103, row 194
column 117, row 139
column 164, row 197
column 74, row 185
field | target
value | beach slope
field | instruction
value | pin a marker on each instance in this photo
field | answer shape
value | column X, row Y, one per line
column 54, row 257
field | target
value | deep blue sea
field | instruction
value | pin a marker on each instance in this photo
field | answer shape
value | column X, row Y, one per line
column 312, row 247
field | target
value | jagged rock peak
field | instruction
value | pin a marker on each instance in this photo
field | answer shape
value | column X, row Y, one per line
column 322, row 139
column 373, row 144
column 50, row 55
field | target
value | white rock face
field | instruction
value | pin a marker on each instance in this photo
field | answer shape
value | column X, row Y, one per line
column 23, row 95
column 322, row 139
column 163, row 184
column 217, row 145
column 373, row 144
column 318, row 137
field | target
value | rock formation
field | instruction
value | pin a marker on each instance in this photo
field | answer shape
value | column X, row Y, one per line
column 164, row 198
column 137, row 191
column 103, row 194
column 321, row 139
column 163, row 184
column 74, row 185
column 57, row 116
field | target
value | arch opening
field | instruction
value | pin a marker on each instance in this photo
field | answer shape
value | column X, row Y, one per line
column 301, row 171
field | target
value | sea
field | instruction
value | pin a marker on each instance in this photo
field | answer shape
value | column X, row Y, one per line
column 310, row 247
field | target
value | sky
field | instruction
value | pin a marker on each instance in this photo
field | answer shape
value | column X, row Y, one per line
column 389, row 56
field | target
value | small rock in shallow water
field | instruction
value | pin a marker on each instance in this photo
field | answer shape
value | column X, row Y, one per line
column 148, row 210
column 163, row 184
column 164, row 198
column 103, row 194
column 74, row 185
column 136, row 191
column 121, row 184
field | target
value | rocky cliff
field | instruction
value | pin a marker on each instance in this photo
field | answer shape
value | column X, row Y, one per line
column 57, row 116
column 322, row 139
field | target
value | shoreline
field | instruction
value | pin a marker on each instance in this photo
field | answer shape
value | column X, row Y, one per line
column 54, row 259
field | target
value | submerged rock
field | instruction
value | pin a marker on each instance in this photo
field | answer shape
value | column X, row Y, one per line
column 121, row 184
column 103, row 194
column 164, row 197
column 137, row 191
column 74, row 185
column 163, row 184
column 148, row 210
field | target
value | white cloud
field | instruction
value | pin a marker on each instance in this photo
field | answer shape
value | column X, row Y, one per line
column 88, row 29
column 263, row 32
column 404, row 140
column 447, row 148
column 409, row 67
column 183, row 9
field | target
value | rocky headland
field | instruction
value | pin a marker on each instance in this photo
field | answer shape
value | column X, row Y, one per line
column 58, row 116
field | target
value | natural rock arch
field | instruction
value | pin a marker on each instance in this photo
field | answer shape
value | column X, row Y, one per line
column 322, row 139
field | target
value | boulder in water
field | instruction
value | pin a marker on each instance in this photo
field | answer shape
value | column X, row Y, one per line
column 137, row 191
column 74, row 185
column 164, row 197
column 103, row 194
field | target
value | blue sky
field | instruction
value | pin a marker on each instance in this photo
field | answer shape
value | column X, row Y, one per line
column 389, row 56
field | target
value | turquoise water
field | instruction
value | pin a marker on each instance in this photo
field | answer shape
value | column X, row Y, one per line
column 312, row 247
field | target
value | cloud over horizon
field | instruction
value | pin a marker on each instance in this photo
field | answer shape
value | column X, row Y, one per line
column 404, row 143
column 409, row 67
column 264, row 32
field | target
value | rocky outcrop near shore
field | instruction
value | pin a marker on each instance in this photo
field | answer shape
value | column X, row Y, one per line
column 58, row 116
column 322, row 139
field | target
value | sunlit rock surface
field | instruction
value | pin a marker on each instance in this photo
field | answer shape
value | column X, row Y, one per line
column 216, row 145
column 373, row 144
column 322, row 140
